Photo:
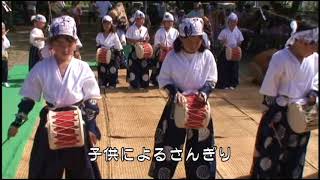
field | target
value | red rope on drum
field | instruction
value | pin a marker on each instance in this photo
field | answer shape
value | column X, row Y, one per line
column 65, row 127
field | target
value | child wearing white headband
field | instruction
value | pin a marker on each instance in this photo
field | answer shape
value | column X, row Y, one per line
column 188, row 70
column 37, row 39
column 291, row 79
column 63, row 82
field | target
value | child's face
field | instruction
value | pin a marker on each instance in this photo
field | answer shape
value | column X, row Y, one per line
column 232, row 24
column 192, row 44
column 63, row 49
column 106, row 25
column 40, row 25
column 305, row 48
column 139, row 21
column 168, row 24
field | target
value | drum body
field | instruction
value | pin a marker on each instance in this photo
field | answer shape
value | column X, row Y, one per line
column 65, row 128
column 163, row 54
column 302, row 120
column 233, row 54
column 194, row 114
column 143, row 50
column 103, row 55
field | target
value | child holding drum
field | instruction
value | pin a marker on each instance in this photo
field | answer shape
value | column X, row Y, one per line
column 291, row 81
column 137, row 35
column 228, row 67
column 109, row 53
column 189, row 75
column 62, row 142
column 163, row 43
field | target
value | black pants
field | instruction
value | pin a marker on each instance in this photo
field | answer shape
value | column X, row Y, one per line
column 33, row 56
column 46, row 163
column 4, row 70
column 228, row 72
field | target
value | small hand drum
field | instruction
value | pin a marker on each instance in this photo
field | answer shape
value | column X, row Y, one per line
column 103, row 55
column 143, row 50
column 163, row 54
column 233, row 54
column 65, row 128
column 303, row 120
column 195, row 114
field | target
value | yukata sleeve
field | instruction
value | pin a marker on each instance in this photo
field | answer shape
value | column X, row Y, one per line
column 271, row 82
column 165, row 77
column 212, row 76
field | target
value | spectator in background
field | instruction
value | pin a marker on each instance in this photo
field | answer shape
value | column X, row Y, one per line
column 31, row 8
column 56, row 8
column 103, row 8
column 77, row 13
column 92, row 14
column 197, row 10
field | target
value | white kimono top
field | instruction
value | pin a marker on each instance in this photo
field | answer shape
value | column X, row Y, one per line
column 45, row 80
column 288, row 77
column 112, row 40
column 165, row 38
column 232, row 38
column 188, row 72
column 136, row 33
column 36, row 33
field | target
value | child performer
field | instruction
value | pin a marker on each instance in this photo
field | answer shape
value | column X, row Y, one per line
column 188, row 69
column 108, row 38
column 163, row 43
column 228, row 71
column 292, row 77
column 5, row 57
column 37, row 39
column 138, row 68
column 63, row 81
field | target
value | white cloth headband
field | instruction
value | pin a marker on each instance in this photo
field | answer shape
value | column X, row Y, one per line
column 307, row 35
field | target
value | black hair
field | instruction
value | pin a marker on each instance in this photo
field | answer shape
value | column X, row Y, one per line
column 177, row 46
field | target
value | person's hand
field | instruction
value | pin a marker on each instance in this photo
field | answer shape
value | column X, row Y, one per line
column 202, row 96
column 12, row 131
column 181, row 100
column 93, row 138
column 312, row 100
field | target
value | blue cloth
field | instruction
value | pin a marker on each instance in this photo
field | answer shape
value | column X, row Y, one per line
column 279, row 152
column 168, row 136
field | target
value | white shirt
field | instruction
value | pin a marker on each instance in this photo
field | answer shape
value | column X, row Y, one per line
column 102, row 7
column 165, row 38
column 78, row 83
column 206, row 40
column 286, row 76
column 5, row 44
column 136, row 33
column 122, row 36
column 112, row 40
column 36, row 33
column 188, row 72
column 232, row 38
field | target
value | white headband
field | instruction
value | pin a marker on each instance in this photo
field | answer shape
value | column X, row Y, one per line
column 307, row 35
column 191, row 27
column 107, row 18
column 233, row 17
column 39, row 17
column 168, row 17
column 139, row 14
